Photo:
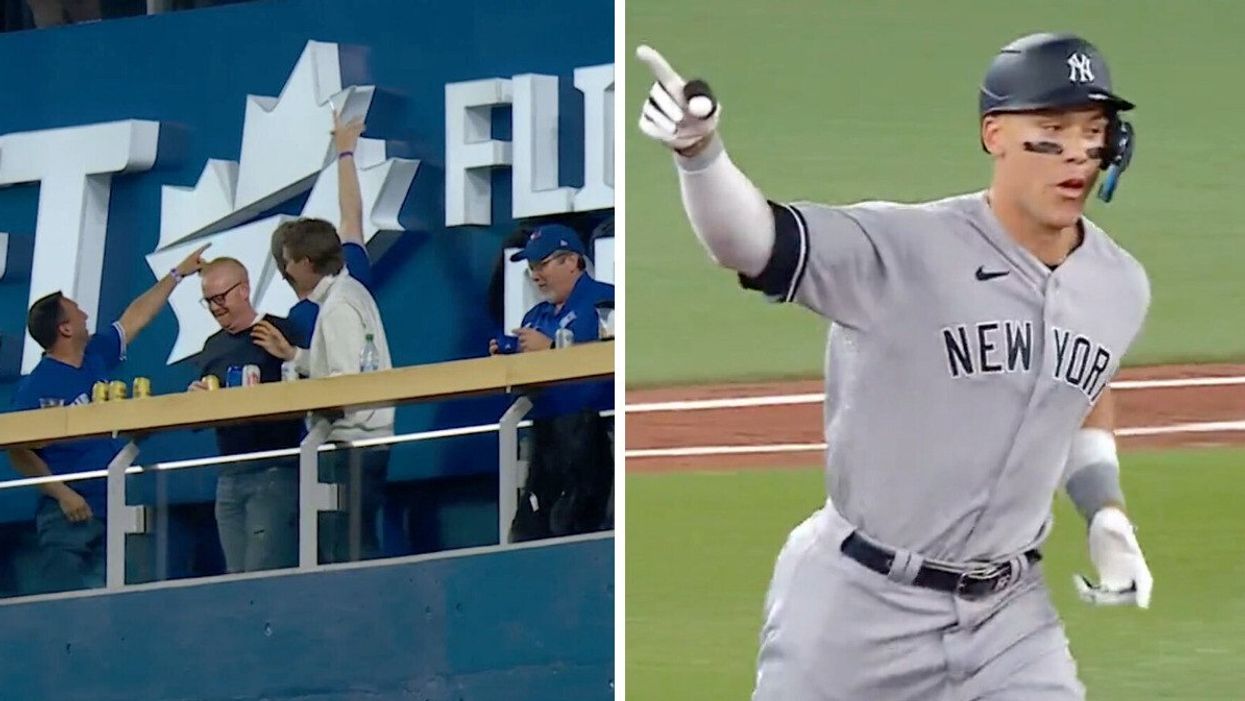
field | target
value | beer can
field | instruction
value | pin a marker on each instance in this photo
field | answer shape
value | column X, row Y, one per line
column 99, row 392
column 117, row 390
column 250, row 375
column 142, row 387
column 211, row 381
column 233, row 376
column 564, row 338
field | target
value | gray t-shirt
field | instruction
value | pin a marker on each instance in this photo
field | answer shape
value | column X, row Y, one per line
column 958, row 366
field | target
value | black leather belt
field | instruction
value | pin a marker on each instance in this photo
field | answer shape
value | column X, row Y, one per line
column 968, row 584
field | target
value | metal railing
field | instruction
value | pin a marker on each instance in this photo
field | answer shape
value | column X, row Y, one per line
column 316, row 398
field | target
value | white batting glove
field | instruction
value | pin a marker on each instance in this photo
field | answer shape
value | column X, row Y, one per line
column 677, row 113
column 1124, row 578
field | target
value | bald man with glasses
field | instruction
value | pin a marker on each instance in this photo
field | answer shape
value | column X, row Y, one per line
column 256, row 500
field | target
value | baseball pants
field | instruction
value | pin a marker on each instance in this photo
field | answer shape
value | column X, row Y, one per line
column 837, row 631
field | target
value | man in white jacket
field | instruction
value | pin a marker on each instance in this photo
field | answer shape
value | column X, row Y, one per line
column 348, row 316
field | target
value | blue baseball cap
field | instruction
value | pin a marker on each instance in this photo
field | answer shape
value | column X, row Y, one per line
column 548, row 240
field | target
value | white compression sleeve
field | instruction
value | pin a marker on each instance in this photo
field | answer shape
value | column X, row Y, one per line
column 728, row 213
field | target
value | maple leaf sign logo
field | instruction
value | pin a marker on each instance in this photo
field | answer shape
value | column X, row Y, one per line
column 286, row 149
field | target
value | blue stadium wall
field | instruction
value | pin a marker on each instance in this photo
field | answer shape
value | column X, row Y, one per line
column 191, row 71
column 527, row 624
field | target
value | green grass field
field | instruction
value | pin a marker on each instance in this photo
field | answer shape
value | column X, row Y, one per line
column 700, row 548
column 841, row 101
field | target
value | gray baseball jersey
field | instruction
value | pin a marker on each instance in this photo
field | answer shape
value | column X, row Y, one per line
column 958, row 365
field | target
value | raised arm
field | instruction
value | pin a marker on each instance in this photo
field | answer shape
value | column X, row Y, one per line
column 832, row 259
column 350, row 201
column 729, row 214
column 142, row 310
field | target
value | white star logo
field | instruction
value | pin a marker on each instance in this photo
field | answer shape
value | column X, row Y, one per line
column 286, row 150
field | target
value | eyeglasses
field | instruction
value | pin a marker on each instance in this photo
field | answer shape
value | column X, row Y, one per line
column 535, row 268
column 218, row 300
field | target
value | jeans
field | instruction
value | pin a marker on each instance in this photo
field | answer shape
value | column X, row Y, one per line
column 257, row 518
column 72, row 554
column 351, row 534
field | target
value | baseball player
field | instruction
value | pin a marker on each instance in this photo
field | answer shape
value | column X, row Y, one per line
column 967, row 368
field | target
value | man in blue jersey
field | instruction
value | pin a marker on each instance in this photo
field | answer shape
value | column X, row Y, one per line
column 70, row 517
column 571, row 471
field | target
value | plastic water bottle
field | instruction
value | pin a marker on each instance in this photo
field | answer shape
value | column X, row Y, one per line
column 369, row 359
column 563, row 338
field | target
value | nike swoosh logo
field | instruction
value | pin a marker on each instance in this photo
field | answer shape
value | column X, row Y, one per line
column 983, row 275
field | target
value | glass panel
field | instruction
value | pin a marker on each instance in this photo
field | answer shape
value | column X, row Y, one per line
column 353, row 531
column 216, row 515
column 196, row 508
column 52, row 535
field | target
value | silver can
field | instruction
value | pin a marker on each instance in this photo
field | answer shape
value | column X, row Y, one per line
column 564, row 338
column 289, row 373
column 250, row 375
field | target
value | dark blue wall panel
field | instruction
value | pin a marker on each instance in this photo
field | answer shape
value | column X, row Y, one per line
column 531, row 623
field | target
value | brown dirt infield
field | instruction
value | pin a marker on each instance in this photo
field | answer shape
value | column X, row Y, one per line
column 802, row 423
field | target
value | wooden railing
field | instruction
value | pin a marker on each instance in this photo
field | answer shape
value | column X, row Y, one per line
column 133, row 418
column 418, row 383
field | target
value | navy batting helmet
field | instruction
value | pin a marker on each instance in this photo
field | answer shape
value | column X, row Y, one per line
column 1059, row 71
column 1048, row 71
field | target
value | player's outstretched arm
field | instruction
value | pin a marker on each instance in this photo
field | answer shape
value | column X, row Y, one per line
column 1093, row 484
column 728, row 213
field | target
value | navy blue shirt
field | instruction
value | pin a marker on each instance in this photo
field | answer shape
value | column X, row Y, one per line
column 579, row 314
column 220, row 351
column 302, row 316
column 52, row 378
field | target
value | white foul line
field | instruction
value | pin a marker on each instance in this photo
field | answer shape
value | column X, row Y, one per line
column 727, row 403
column 818, row 397
column 698, row 451
column 1202, row 427
column 725, row 450
column 1179, row 382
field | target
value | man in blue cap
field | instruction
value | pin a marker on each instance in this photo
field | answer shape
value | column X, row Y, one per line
column 571, row 472
column 558, row 266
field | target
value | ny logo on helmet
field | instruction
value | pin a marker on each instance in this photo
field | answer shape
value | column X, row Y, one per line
column 1080, row 69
